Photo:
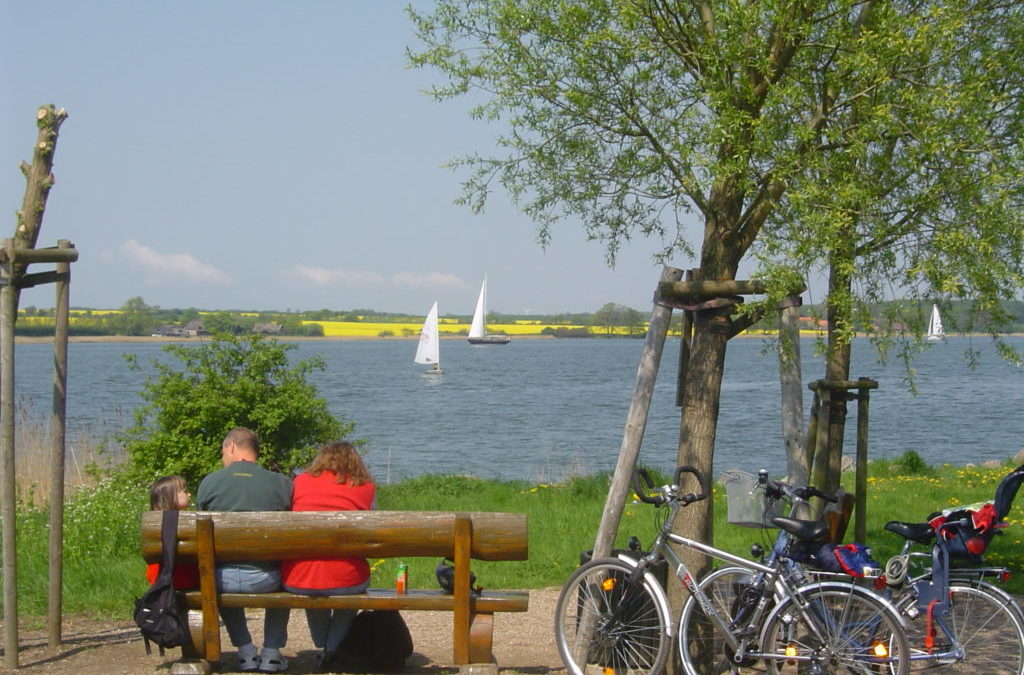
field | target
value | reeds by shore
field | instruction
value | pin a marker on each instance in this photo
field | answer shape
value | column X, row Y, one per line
column 85, row 455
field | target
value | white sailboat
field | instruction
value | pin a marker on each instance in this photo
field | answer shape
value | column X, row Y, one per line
column 477, row 330
column 935, row 332
column 428, row 352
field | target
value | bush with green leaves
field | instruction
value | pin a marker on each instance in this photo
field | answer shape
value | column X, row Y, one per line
column 228, row 382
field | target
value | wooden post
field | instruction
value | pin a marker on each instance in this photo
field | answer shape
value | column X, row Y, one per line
column 861, row 517
column 8, row 308
column 208, row 587
column 811, row 437
column 825, row 467
column 685, row 341
column 58, row 428
column 461, row 555
column 791, row 381
column 636, row 420
column 820, row 467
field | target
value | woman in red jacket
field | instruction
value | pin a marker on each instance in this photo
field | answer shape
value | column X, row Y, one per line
column 337, row 480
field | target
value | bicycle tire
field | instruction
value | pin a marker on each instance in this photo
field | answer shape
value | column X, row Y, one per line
column 702, row 648
column 987, row 626
column 629, row 621
column 840, row 632
column 992, row 589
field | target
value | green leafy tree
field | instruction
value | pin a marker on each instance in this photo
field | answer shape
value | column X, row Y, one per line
column 228, row 382
column 628, row 115
column 612, row 315
column 135, row 318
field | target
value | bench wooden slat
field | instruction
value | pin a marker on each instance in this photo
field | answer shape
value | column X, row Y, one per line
column 488, row 602
column 279, row 535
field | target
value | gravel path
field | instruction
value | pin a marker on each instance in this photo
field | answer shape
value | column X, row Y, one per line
column 524, row 643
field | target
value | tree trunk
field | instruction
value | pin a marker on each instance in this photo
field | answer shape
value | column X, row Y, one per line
column 699, row 424
column 837, row 367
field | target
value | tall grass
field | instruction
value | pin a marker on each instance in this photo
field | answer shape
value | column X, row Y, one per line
column 87, row 455
column 103, row 569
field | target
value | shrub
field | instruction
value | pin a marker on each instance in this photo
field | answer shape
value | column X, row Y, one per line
column 228, row 382
column 910, row 463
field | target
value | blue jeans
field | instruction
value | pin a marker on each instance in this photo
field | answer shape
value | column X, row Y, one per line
column 328, row 627
column 249, row 579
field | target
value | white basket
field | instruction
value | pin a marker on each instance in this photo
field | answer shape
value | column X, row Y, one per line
column 747, row 505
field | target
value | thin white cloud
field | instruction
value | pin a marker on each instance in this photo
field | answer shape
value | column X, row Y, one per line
column 438, row 280
column 172, row 264
column 320, row 276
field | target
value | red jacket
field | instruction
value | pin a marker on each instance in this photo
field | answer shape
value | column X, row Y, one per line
column 184, row 576
column 323, row 493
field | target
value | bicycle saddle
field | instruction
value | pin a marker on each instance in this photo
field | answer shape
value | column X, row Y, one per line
column 922, row 533
column 804, row 530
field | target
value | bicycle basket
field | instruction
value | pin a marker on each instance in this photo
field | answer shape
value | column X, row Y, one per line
column 747, row 505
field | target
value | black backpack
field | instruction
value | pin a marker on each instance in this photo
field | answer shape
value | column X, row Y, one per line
column 377, row 642
column 156, row 612
column 445, row 573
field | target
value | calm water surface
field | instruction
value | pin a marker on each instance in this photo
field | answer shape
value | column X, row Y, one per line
column 540, row 409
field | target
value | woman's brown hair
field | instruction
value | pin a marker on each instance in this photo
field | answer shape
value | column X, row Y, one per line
column 163, row 493
column 343, row 460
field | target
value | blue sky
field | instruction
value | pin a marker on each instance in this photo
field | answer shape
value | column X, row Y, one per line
column 271, row 155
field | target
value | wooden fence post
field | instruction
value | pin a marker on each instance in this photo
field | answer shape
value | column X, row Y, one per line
column 58, row 427
column 636, row 421
column 8, row 305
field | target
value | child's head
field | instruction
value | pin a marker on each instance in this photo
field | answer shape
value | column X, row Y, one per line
column 169, row 492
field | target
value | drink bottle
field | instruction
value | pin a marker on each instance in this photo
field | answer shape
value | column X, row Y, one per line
column 402, row 578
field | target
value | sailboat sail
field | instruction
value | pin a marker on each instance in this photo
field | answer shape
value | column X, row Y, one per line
column 477, row 330
column 429, row 350
column 935, row 331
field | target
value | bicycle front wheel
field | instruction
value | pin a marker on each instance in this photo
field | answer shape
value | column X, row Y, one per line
column 606, row 622
column 983, row 634
column 835, row 628
column 702, row 645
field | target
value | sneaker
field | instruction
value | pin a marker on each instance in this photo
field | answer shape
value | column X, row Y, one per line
column 248, row 659
column 271, row 661
column 326, row 662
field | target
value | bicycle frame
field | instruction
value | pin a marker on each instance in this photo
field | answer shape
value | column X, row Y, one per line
column 779, row 574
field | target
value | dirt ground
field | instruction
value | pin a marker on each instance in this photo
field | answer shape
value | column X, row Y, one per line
column 523, row 643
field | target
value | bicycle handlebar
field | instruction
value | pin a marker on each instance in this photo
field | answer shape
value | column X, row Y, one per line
column 671, row 492
column 777, row 489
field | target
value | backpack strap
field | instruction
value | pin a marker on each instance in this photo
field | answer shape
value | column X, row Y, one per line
column 168, row 552
column 169, row 544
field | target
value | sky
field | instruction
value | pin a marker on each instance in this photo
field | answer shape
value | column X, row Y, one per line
column 257, row 155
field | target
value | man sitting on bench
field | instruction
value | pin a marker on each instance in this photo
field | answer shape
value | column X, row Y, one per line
column 244, row 485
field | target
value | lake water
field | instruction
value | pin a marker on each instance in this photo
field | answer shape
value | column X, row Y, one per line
column 542, row 409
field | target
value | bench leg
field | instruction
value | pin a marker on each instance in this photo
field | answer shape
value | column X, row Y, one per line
column 197, row 649
column 481, row 638
column 192, row 661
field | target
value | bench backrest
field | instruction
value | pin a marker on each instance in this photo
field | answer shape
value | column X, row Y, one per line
column 279, row 535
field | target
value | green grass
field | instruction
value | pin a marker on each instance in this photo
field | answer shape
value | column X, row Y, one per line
column 104, row 572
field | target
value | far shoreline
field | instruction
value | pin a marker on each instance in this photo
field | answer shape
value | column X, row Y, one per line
column 44, row 339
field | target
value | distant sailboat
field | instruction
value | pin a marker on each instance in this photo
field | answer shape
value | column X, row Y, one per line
column 935, row 332
column 429, row 350
column 477, row 330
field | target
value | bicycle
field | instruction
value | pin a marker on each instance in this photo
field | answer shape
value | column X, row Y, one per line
column 960, row 622
column 613, row 615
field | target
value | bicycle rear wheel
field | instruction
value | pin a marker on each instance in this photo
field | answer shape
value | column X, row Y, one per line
column 839, row 628
column 988, row 630
column 702, row 646
column 606, row 624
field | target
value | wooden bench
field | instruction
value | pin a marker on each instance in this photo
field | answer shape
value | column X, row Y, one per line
column 210, row 538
